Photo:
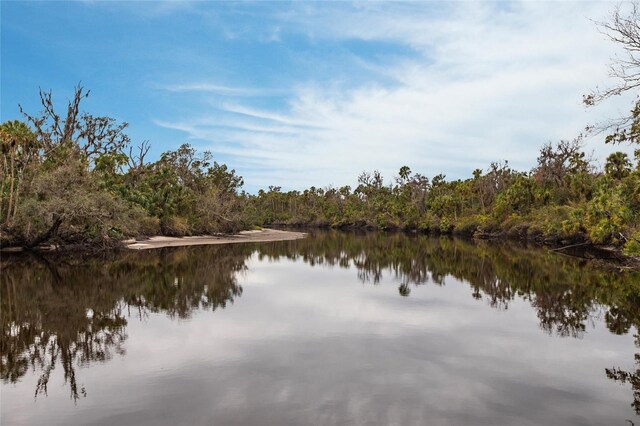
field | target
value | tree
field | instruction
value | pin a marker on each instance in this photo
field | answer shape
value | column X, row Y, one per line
column 623, row 28
column 618, row 165
column 18, row 147
column 404, row 174
column 91, row 135
column 225, row 180
column 556, row 162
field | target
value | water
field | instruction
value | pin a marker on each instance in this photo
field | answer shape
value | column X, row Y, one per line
column 334, row 329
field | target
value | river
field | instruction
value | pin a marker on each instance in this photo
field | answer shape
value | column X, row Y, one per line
column 337, row 328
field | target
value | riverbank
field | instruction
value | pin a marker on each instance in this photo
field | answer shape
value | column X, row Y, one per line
column 578, row 245
column 256, row 236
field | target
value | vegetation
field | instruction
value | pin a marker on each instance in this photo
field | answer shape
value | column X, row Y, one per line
column 78, row 180
column 564, row 198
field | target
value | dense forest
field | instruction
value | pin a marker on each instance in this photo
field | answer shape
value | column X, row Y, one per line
column 79, row 180
column 74, row 178
column 563, row 199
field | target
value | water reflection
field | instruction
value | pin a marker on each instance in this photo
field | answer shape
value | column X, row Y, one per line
column 73, row 312
column 566, row 292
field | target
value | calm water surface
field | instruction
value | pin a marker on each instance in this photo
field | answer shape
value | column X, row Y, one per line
column 334, row 329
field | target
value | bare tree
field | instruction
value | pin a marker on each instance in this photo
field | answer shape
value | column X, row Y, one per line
column 623, row 28
column 555, row 162
column 94, row 136
column 136, row 158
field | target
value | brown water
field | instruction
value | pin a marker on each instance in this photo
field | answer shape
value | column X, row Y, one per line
column 334, row 329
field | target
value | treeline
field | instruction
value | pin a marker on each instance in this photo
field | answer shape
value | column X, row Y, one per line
column 78, row 179
column 563, row 199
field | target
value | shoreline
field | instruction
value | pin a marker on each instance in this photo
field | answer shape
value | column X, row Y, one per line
column 606, row 256
column 576, row 246
column 258, row 236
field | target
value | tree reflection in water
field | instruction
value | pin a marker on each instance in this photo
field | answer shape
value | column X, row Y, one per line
column 73, row 312
column 567, row 293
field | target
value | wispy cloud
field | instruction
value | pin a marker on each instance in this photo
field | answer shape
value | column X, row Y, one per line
column 223, row 90
column 482, row 82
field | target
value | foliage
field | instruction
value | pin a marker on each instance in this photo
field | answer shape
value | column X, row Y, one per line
column 83, row 183
column 563, row 199
column 78, row 180
column 622, row 28
column 632, row 247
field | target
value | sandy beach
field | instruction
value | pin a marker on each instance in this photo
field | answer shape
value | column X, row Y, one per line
column 264, row 235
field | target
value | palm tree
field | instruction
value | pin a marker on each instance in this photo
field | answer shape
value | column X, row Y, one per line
column 17, row 146
column 618, row 165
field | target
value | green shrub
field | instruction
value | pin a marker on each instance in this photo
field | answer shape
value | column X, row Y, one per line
column 174, row 227
column 632, row 247
column 445, row 226
column 468, row 225
column 606, row 215
column 429, row 222
column 149, row 226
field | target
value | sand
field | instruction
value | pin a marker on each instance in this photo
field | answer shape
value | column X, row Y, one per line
column 264, row 235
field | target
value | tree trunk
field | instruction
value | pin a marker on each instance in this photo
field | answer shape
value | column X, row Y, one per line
column 57, row 221
column 15, row 201
column 4, row 171
column 11, row 190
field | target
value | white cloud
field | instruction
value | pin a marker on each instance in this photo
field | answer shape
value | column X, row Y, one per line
column 485, row 82
column 221, row 90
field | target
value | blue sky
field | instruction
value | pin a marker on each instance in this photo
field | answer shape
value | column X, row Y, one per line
column 300, row 94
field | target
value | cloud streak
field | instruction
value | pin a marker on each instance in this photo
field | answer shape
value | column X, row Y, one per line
column 474, row 83
column 223, row 90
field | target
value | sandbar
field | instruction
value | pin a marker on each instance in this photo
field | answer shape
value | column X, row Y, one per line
column 256, row 236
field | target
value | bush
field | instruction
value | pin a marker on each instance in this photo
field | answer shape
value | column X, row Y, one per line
column 516, row 226
column 606, row 215
column 632, row 247
column 429, row 222
column 551, row 223
column 148, row 226
column 218, row 212
column 174, row 227
column 445, row 226
column 468, row 225
column 65, row 204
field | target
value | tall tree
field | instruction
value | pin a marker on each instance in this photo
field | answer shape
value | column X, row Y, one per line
column 18, row 147
column 92, row 135
column 623, row 28
column 618, row 165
